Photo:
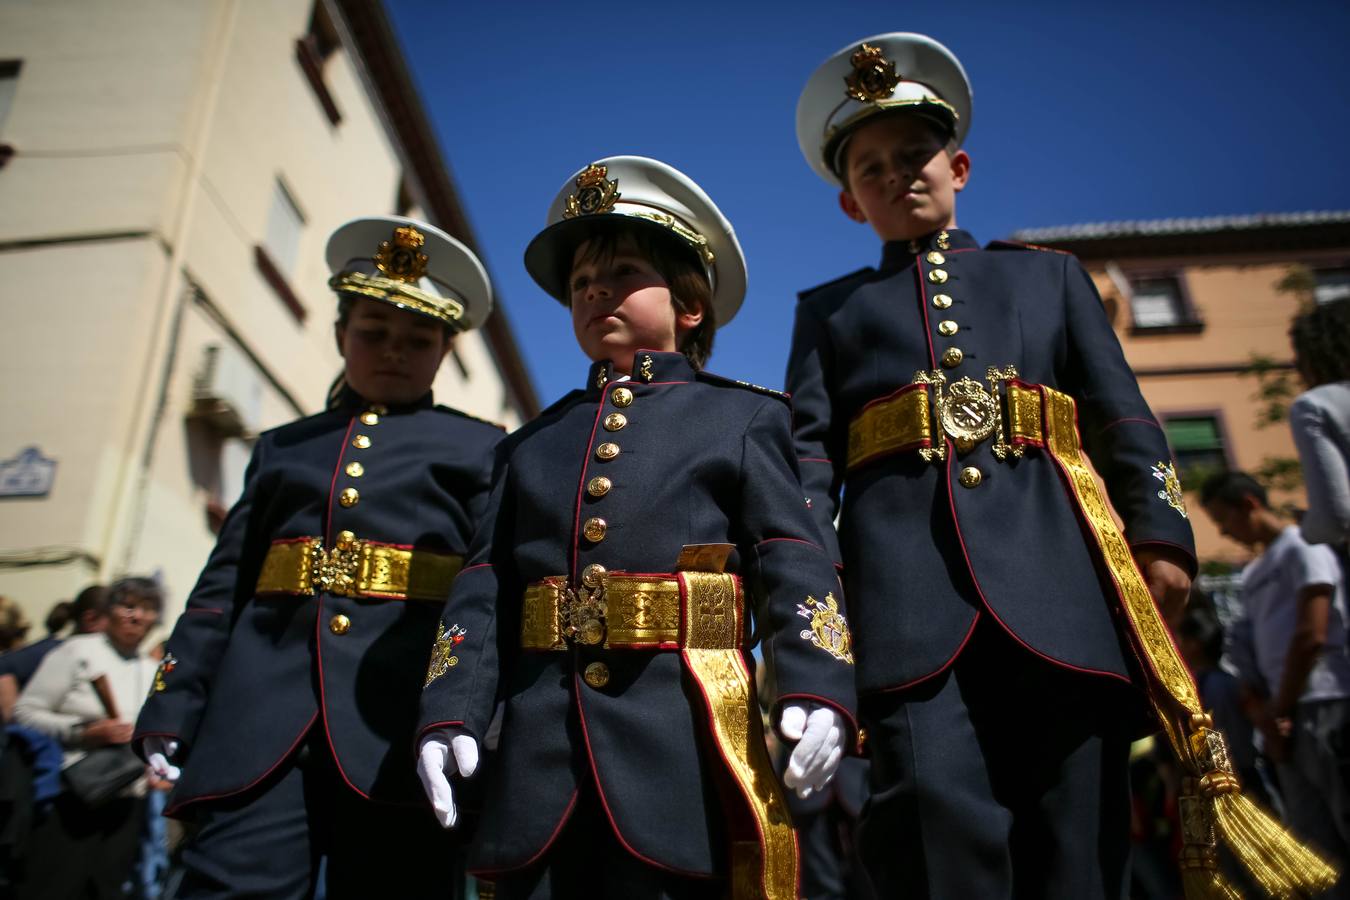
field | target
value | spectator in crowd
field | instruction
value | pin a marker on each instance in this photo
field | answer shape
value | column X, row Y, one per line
column 89, row 612
column 1293, row 595
column 75, row 850
column 13, row 624
column 1320, row 420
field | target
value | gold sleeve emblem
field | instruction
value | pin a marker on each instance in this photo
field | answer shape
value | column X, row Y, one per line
column 166, row 665
column 828, row 629
column 595, row 193
column 1166, row 472
column 402, row 258
column 442, row 652
column 873, row 77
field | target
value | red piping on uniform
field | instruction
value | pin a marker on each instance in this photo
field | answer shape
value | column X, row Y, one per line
column 585, row 464
column 631, row 383
column 951, row 501
column 823, row 701
column 205, row 611
column 270, row 769
column 792, row 541
column 600, row 791
column 940, row 669
column 421, row 735
column 814, row 459
column 567, row 814
column 475, row 566
column 328, row 521
column 712, row 729
column 1147, row 541
column 1108, row 425
column 323, row 699
column 891, row 396
column 923, row 306
column 297, row 540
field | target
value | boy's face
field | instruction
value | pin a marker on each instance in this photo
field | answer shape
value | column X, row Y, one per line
column 900, row 179
column 621, row 305
column 391, row 354
column 1236, row 520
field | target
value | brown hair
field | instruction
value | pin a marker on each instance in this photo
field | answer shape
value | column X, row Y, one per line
column 677, row 263
column 13, row 624
column 1321, row 338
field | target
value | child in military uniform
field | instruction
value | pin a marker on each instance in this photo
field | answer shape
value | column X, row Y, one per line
column 287, row 697
column 937, row 394
column 643, row 532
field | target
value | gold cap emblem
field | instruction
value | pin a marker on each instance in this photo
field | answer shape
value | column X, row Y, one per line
column 595, row 193
column 402, row 258
column 873, row 77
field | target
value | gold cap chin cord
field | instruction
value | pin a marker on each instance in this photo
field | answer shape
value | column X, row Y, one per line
column 1213, row 808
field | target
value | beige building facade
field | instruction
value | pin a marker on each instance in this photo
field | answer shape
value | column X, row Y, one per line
column 169, row 174
column 1198, row 302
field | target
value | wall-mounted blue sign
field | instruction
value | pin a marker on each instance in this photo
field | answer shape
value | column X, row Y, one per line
column 30, row 474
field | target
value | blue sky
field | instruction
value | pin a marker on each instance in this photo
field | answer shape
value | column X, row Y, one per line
column 1126, row 111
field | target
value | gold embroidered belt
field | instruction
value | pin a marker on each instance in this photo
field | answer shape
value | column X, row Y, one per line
column 1212, row 806
column 357, row 568
column 924, row 414
column 702, row 615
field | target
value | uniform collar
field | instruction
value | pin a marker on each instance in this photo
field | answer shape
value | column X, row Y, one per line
column 898, row 254
column 349, row 401
column 649, row 366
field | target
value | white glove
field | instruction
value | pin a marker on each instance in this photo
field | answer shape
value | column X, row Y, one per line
column 157, row 751
column 433, row 755
column 819, row 734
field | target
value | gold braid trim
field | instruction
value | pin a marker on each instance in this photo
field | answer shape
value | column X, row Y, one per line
column 712, row 622
column 1212, row 805
column 446, row 309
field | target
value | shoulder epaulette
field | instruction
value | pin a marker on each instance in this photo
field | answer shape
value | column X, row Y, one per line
column 1018, row 245
column 463, row 415
column 722, row 381
column 851, row 276
column 561, row 401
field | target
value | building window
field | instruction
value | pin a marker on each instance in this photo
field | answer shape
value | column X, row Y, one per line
column 312, row 51
column 1331, row 284
column 1160, row 303
column 1197, row 445
column 279, row 253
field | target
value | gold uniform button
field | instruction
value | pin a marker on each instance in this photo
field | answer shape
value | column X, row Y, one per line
column 615, row 421
column 937, row 276
column 952, row 357
column 607, row 450
column 370, row 418
column 942, row 301
column 339, row 624
column 936, row 258
column 971, row 477
column 948, row 328
column 355, row 469
column 349, row 497
column 593, row 575
column 622, row 397
column 360, row 442
column 599, row 486
column 594, row 529
column 597, row 675
column 345, row 540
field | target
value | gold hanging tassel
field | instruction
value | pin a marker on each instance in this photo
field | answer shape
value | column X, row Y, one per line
column 1212, row 806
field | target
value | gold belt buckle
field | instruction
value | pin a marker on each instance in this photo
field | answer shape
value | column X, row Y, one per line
column 968, row 413
column 335, row 570
column 581, row 612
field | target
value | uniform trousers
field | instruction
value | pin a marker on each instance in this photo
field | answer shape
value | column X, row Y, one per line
column 269, row 840
column 1004, row 776
column 587, row 860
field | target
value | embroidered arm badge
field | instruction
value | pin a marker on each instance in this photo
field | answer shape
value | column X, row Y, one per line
column 1166, row 472
column 442, row 652
column 166, row 665
column 828, row 629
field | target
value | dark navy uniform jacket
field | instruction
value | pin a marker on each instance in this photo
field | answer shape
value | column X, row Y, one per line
column 251, row 674
column 701, row 460
column 923, row 557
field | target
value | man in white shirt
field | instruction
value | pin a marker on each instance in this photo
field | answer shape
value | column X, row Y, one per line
column 1293, row 594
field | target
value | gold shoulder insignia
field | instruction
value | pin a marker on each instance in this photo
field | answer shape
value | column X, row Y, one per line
column 828, row 629
column 1171, row 492
column 442, row 652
